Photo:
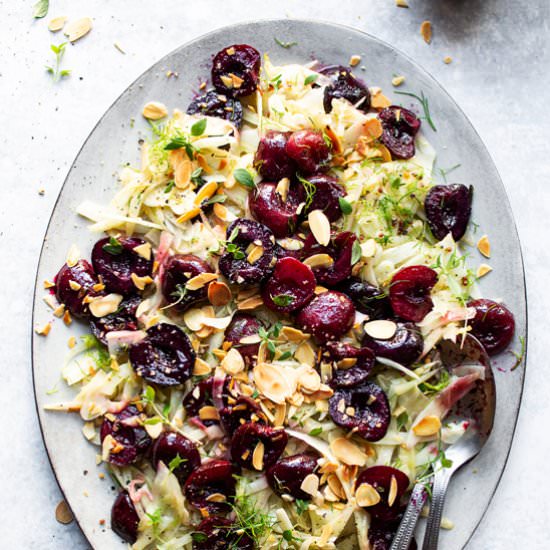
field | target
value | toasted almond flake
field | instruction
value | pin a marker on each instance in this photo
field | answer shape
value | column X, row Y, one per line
column 384, row 152
column 219, row 294
column 153, row 430
column 227, row 81
column 335, row 140
column 482, row 270
column 336, row 486
column 366, row 495
column 428, row 426
column 282, row 188
column 320, row 289
column 71, row 342
column 372, row 127
column 49, row 284
column 74, row 285
column 208, row 412
column 230, row 51
column 205, row 192
column 446, row 523
column 293, row 334
column 223, row 213
column 59, row 310
column 252, row 339
column 291, row 244
column 397, row 80
column 310, row 484
column 447, row 59
column 154, row 110
column 63, row 513
column 484, row 246
column 426, row 31
column 201, row 367
column 199, row 281
column 73, row 255
column 67, row 319
column 320, row 226
column 143, row 250
column 75, row 30
column 255, row 253
column 182, row 174
column 216, row 497
column 348, row 452
column 44, row 330
column 272, row 382
column 380, row 329
column 50, row 301
column 258, row 456
column 308, row 379
column 401, row 3
column 305, row 354
column 236, row 80
column 189, row 215
column 319, row 260
column 57, row 23
column 98, row 287
column 103, row 305
column 141, row 282
column 354, row 60
column 280, row 415
column 233, row 362
column 393, row 491
column 380, row 101
column 250, row 303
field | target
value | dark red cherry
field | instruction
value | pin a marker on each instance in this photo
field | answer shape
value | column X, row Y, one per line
column 340, row 249
column 448, row 209
column 217, row 105
column 115, row 260
column 370, row 408
column 271, row 160
column 241, row 326
column 380, row 477
column 404, row 347
column 326, row 195
column 124, row 318
column 345, row 86
column 328, row 316
column 367, row 298
column 82, row 273
column 381, row 534
column 355, row 374
column 286, row 475
column 234, row 263
column 493, row 325
column 178, row 269
column 291, row 286
column 247, row 437
column 410, row 290
column 132, row 441
column 399, row 126
column 307, row 148
column 243, row 411
column 219, row 533
column 165, row 356
column 215, row 476
column 124, row 518
column 201, row 395
column 280, row 215
column 169, row 446
column 236, row 70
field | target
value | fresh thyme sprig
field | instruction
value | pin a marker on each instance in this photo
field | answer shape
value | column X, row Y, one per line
column 56, row 71
column 423, row 100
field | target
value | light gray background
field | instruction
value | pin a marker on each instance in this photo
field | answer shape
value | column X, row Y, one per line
column 499, row 76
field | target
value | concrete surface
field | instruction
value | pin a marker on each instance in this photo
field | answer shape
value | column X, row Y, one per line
column 499, row 76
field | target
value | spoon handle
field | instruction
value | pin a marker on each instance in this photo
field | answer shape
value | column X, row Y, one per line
column 404, row 534
column 439, row 490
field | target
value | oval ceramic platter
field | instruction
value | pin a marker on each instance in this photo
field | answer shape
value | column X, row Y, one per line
column 114, row 141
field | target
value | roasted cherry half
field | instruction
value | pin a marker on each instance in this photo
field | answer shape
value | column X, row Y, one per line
column 271, row 160
column 366, row 298
column 328, row 316
column 201, row 395
column 493, row 325
column 131, row 441
column 307, row 148
column 291, row 286
column 370, row 408
column 382, row 533
column 241, row 326
column 169, row 446
column 399, row 126
column 214, row 477
column 346, row 377
column 124, row 318
column 380, row 477
column 124, row 518
column 410, row 290
column 178, row 269
column 115, row 260
column 244, row 410
column 73, row 284
column 165, row 356
column 285, row 477
column 236, row 70
column 217, row 105
column 404, row 347
column 249, row 436
column 448, row 209
column 326, row 196
column 219, row 533
column 345, row 86
column 279, row 213
column 234, row 263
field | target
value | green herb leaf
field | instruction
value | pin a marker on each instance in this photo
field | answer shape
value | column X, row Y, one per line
column 285, row 45
column 199, row 536
column 316, row 431
column 214, row 199
column 286, row 355
column 402, row 420
column 430, row 389
column 345, row 206
column 149, row 394
column 56, row 71
column 310, row 79
column 152, row 421
column 176, row 462
column 283, row 300
column 196, row 176
column 255, row 394
column 40, row 9
column 310, row 190
column 113, row 247
column 244, row 178
column 301, row 505
column 169, row 186
column 423, row 100
column 355, row 252
column 199, row 127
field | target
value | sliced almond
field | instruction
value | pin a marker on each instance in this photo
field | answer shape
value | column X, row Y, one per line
column 392, row 495
column 201, row 280
column 255, row 253
column 310, row 484
column 143, row 250
column 71, row 342
column 397, row 80
column 250, row 303
column 153, row 430
column 73, row 256
column 189, row 215
column 44, row 330
column 280, row 415
column 354, row 60
column 104, row 305
column 372, row 127
column 305, row 354
column 59, row 310
column 366, row 495
column 208, row 412
column 219, row 294
column 320, row 226
column 334, row 139
column 182, row 174
column 401, row 3
column 57, row 23
column 282, row 188
column 293, row 334
column 252, row 339
column 201, row 367
column 233, row 362
column 428, row 426
column 380, row 329
column 227, row 81
column 141, row 282
column 63, row 513
column 484, row 246
column 154, row 110
column 348, row 452
column 336, row 486
column 193, row 318
column 205, row 192
column 447, row 523
column 291, row 244
column 380, row 101
column 67, row 319
column 447, row 59
column 258, row 456
column 482, row 270
column 49, row 284
column 272, row 382
column 216, row 497
column 426, row 31
column 75, row 30
column 319, row 260
column 223, row 213
column 308, row 379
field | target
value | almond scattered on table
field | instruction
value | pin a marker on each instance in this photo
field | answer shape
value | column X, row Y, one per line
column 426, row 31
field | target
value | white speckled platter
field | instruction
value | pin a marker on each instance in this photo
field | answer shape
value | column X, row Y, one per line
column 114, row 141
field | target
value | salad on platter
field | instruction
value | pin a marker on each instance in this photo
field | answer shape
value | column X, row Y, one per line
column 266, row 303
